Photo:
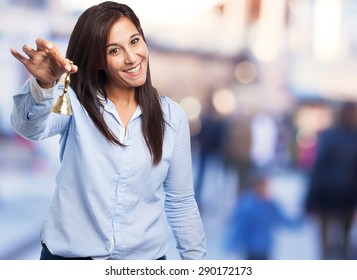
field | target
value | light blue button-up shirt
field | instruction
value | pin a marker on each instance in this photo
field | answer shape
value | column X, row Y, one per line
column 110, row 201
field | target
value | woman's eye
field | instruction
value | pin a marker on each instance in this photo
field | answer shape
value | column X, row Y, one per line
column 114, row 51
column 134, row 41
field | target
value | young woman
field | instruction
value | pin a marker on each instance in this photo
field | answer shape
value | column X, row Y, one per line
column 125, row 151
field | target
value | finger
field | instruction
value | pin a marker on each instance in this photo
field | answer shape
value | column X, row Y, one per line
column 53, row 51
column 19, row 56
column 43, row 44
column 29, row 51
column 66, row 63
column 74, row 68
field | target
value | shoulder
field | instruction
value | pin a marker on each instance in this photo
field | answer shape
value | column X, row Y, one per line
column 329, row 135
column 173, row 112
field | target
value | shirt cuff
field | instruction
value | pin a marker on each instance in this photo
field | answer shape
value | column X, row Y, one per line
column 41, row 94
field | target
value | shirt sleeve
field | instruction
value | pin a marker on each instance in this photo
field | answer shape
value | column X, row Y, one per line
column 31, row 115
column 180, row 204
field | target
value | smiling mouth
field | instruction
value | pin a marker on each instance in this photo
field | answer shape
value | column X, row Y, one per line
column 134, row 70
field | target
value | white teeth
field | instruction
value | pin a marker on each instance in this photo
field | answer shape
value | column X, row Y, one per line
column 134, row 70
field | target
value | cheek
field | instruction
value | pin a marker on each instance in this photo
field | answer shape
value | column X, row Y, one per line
column 143, row 51
column 112, row 65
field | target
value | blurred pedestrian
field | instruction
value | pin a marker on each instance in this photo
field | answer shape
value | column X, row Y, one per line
column 332, row 194
column 254, row 220
column 125, row 153
column 211, row 139
column 237, row 149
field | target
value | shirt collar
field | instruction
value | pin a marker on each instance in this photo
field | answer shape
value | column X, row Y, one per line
column 107, row 104
column 101, row 98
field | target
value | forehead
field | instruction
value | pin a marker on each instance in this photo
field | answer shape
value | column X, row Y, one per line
column 122, row 29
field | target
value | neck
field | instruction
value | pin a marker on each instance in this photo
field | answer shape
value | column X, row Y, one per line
column 124, row 101
column 122, row 97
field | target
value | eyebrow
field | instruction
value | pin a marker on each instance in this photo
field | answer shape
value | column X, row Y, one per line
column 116, row 44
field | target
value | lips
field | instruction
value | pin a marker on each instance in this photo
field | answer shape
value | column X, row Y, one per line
column 134, row 70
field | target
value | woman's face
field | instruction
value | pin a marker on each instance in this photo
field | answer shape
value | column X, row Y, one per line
column 126, row 55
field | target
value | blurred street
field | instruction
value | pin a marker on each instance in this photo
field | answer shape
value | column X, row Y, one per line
column 26, row 187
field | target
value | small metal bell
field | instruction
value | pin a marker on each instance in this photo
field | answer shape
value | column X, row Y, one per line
column 62, row 105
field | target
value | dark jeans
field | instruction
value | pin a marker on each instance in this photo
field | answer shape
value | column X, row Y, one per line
column 47, row 255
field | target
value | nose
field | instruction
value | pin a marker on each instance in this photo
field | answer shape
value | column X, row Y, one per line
column 129, row 56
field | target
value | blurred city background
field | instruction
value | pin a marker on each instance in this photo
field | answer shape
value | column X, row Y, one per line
column 259, row 81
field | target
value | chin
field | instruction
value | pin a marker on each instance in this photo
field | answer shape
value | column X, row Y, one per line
column 139, row 83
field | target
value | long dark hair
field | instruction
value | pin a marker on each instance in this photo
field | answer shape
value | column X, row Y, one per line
column 87, row 48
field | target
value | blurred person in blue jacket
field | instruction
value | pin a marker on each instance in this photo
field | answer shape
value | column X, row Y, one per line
column 126, row 171
column 332, row 193
column 254, row 219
